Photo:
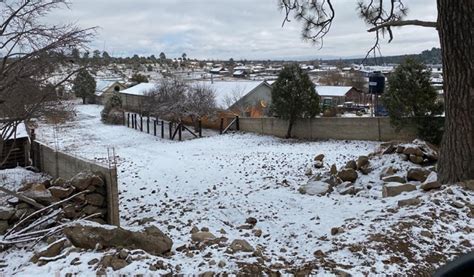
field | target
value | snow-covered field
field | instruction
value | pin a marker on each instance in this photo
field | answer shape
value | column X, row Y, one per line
column 218, row 182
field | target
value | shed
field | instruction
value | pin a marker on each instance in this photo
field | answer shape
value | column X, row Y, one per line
column 105, row 89
column 134, row 97
column 339, row 94
column 16, row 147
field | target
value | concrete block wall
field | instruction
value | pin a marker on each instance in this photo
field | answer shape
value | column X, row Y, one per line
column 58, row 164
column 340, row 128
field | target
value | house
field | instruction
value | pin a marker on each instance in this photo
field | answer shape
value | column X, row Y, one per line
column 245, row 98
column 105, row 89
column 219, row 70
column 340, row 94
column 133, row 98
column 17, row 147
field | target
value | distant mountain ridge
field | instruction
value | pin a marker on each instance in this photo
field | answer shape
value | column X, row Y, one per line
column 432, row 56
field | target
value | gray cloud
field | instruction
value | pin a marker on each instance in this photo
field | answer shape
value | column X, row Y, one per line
column 228, row 28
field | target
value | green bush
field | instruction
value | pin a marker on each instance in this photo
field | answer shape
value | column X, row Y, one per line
column 113, row 112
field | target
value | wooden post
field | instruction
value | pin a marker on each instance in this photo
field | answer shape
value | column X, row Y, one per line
column 237, row 124
column 141, row 123
column 148, row 124
column 171, row 129
column 200, row 128
column 128, row 120
column 222, row 125
column 154, row 128
column 162, row 129
column 180, row 128
column 135, row 120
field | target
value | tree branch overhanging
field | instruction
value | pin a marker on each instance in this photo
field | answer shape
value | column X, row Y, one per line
column 400, row 23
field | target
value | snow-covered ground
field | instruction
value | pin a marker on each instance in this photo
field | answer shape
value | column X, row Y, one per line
column 218, row 182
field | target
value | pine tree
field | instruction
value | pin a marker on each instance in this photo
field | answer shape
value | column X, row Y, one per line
column 410, row 97
column 294, row 96
column 84, row 85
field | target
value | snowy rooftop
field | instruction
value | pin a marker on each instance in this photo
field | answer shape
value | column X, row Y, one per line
column 336, row 91
column 21, row 131
column 103, row 85
column 228, row 92
column 140, row 89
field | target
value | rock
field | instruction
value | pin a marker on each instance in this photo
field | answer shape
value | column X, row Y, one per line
column 348, row 191
column 318, row 164
column 308, row 172
column 257, row 232
column 351, row 164
column 87, row 235
column 221, row 264
column 394, row 189
column 93, row 261
column 417, row 174
column 426, row 233
column 60, row 192
column 333, row 169
column 415, row 159
column 413, row 151
column 240, row 245
column 3, row 226
column 251, row 221
column 95, row 199
column 394, row 178
column 362, row 161
column 207, row 274
column 388, row 171
column 85, row 179
column 58, row 182
column 365, row 169
column 400, row 149
column 315, row 188
column 457, row 204
column 123, row 254
column 194, row 230
column 347, row 174
column 6, row 213
column 409, row 202
column 49, row 251
column 40, row 194
column 114, row 262
column 319, row 157
column 431, row 182
column 389, row 150
column 337, row 230
column 89, row 209
column 202, row 236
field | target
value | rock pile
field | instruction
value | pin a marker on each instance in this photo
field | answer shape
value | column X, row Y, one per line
column 418, row 152
column 91, row 201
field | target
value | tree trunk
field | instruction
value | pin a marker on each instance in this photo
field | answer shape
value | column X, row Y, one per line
column 290, row 127
column 83, row 100
column 455, row 27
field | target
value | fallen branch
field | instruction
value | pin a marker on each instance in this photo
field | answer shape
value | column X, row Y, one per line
column 22, row 198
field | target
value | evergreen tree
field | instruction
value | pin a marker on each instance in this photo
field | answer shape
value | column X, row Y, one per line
column 162, row 57
column 84, row 85
column 138, row 78
column 410, row 97
column 294, row 96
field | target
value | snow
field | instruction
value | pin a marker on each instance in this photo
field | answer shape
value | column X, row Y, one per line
column 20, row 132
column 228, row 92
column 334, row 91
column 140, row 89
column 217, row 182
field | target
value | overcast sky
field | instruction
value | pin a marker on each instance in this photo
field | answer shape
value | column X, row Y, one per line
column 241, row 29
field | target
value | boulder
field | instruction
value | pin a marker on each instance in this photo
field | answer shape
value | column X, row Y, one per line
column 394, row 178
column 315, row 188
column 319, row 157
column 60, row 192
column 95, row 199
column 333, row 169
column 85, row 179
column 431, row 182
column 202, row 236
column 415, row 159
column 6, row 213
column 3, row 226
column 308, row 172
column 87, row 235
column 40, row 194
column 362, row 161
column 240, row 245
column 351, row 164
column 251, row 221
column 116, row 263
column 388, row 171
column 394, row 189
column 417, row 174
column 347, row 174
column 318, row 164
column 400, row 149
column 413, row 151
column 365, row 169
column 51, row 250
column 409, row 202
